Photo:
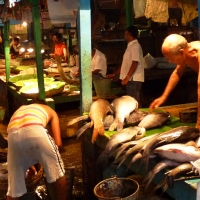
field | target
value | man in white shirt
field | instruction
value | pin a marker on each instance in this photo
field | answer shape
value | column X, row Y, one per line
column 99, row 65
column 131, row 71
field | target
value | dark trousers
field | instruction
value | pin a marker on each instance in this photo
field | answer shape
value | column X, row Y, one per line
column 133, row 89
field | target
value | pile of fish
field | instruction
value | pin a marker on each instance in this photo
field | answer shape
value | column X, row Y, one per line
column 121, row 112
column 177, row 147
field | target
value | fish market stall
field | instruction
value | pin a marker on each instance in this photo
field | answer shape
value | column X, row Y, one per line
column 94, row 173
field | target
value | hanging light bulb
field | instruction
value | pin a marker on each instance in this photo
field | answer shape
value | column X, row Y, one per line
column 24, row 24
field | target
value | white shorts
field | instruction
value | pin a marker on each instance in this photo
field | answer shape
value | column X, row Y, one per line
column 28, row 146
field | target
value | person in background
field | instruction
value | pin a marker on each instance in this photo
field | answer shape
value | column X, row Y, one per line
column 99, row 64
column 30, row 143
column 60, row 49
column 131, row 71
column 177, row 50
column 14, row 48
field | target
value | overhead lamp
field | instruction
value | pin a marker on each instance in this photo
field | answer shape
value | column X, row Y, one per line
column 24, row 24
column 22, row 49
column 30, row 47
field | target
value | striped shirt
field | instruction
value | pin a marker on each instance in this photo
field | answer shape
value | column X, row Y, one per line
column 28, row 115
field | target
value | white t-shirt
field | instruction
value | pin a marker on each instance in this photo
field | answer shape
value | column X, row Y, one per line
column 133, row 53
column 99, row 62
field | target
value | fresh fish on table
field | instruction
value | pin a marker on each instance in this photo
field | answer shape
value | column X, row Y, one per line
column 155, row 119
column 78, row 119
column 98, row 110
column 122, row 107
column 132, row 120
column 124, row 135
column 175, row 135
column 127, row 146
column 136, row 157
column 168, row 181
column 158, row 167
column 133, row 150
column 178, row 152
column 122, row 149
column 80, row 131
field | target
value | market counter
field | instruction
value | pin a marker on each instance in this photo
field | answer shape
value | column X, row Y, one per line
column 182, row 189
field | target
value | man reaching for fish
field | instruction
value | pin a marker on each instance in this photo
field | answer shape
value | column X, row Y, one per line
column 177, row 50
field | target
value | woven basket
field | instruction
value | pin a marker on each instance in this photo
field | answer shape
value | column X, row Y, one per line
column 31, row 181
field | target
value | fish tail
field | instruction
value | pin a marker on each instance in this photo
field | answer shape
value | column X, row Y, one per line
column 101, row 130
column 119, row 153
column 77, row 119
column 102, row 161
column 121, row 162
column 161, row 184
column 95, row 134
column 92, row 123
column 147, row 180
column 139, row 167
column 145, row 159
column 120, row 126
column 113, row 153
column 82, row 130
column 146, row 162
column 113, row 126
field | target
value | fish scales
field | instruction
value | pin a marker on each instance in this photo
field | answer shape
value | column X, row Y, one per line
column 179, row 134
column 178, row 152
column 157, row 168
column 125, row 135
column 98, row 111
column 122, row 107
column 153, row 120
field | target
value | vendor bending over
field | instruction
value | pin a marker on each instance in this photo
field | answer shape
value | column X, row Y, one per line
column 177, row 50
column 29, row 144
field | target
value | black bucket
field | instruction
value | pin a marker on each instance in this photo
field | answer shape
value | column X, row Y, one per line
column 117, row 189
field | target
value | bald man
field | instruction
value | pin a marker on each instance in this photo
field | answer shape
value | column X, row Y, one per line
column 177, row 50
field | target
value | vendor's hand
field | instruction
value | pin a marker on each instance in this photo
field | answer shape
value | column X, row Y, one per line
column 125, row 81
column 51, row 55
column 110, row 75
column 156, row 103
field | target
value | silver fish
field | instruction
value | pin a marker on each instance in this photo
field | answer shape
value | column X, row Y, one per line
column 158, row 167
column 98, row 110
column 179, row 134
column 122, row 107
column 132, row 120
column 78, row 119
column 124, row 135
column 178, row 152
column 133, row 150
column 118, row 151
column 155, row 119
column 169, row 179
column 136, row 157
